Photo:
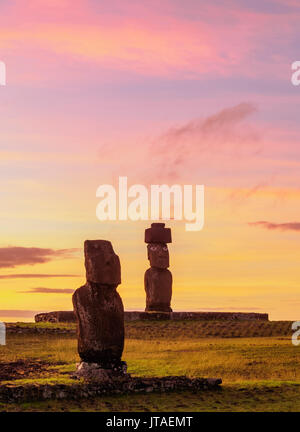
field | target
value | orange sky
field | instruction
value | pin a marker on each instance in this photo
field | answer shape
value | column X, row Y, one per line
column 193, row 94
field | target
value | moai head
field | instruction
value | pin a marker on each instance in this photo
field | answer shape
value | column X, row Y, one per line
column 157, row 236
column 158, row 255
column 101, row 263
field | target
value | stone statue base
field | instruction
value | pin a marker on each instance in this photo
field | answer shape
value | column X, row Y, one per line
column 97, row 373
column 159, row 308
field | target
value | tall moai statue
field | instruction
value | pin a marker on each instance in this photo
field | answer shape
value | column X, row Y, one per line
column 99, row 312
column 158, row 279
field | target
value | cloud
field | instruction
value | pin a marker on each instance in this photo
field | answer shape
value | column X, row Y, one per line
column 17, row 313
column 288, row 226
column 165, row 39
column 13, row 256
column 213, row 124
column 49, row 290
column 220, row 134
column 36, row 275
column 233, row 309
column 239, row 195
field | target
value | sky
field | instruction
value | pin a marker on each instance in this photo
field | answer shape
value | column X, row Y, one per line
column 163, row 92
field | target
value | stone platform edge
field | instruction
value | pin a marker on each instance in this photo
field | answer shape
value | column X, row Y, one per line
column 200, row 316
column 68, row 316
column 37, row 392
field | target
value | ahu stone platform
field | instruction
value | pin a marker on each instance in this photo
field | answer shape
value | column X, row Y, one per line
column 10, row 393
column 200, row 316
column 69, row 316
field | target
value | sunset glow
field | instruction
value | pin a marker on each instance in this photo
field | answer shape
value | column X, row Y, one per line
column 170, row 93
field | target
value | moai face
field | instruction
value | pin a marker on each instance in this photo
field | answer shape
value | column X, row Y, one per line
column 158, row 255
column 101, row 263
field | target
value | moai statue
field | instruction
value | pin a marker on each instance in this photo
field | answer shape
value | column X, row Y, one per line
column 158, row 279
column 100, row 314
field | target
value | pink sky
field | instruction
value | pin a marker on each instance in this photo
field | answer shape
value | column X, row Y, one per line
column 187, row 92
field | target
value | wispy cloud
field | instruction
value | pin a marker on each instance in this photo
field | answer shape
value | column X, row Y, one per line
column 223, row 133
column 288, row 226
column 17, row 313
column 36, row 275
column 43, row 290
column 241, row 194
column 160, row 40
column 222, row 121
column 233, row 309
column 13, row 256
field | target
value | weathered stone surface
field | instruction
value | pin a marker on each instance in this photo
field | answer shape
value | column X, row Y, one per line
column 158, row 287
column 138, row 315
column 158, row 255
column 57, row 316
column 148, row 316
column 100, row 320
column 101, row 263
column 158, row 280
column 32, row 392
column 158, row 234
column 197, row 316
column 94, row 372
column 220, row 316
column 99, row 309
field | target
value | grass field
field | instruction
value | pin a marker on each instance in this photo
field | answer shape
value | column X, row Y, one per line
column 260, row 373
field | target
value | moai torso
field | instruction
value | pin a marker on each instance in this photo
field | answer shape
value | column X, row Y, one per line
column 99, row 308
column 158, row 279
column 158, row 287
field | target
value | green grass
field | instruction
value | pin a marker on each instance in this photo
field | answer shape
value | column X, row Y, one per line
column 259, row 373
column 43, row 325
column 190, row 329
column 232, row 359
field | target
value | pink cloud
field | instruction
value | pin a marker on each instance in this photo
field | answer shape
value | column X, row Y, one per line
column 223, row 133
column 13, row 256
column 17, row 313
column 36, row 276
column 42, row 290
column 148, row 40
column 288, row 226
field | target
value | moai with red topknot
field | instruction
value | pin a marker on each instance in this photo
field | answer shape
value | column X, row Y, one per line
column 158, row 279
